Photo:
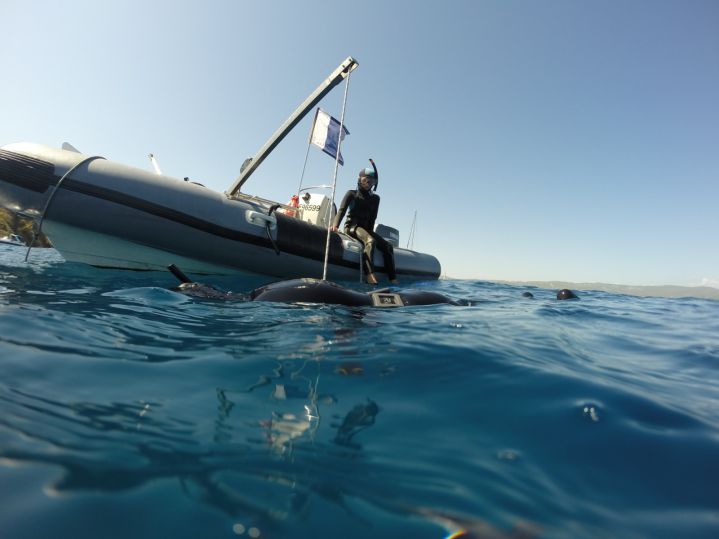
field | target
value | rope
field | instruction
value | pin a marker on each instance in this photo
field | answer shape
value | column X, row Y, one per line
column 52, row 195
column 272, row 209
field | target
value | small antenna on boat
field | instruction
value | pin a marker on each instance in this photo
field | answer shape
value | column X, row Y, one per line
column 410, row 239
column 69, row 147
column 155, row 165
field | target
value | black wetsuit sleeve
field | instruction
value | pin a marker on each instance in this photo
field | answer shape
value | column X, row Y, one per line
column 349, row 195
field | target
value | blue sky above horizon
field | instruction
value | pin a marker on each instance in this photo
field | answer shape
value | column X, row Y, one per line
column 558, row 140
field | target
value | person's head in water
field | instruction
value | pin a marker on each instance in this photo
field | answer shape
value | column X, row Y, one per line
column 367, row 179
column 565, row 293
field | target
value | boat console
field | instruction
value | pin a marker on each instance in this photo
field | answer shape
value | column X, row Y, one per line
column 317, row 209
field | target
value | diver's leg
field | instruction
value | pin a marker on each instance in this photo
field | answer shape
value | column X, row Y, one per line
column 387, row 251
column 368, row 241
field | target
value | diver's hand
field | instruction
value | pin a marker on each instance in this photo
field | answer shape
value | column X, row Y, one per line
column 333, row 229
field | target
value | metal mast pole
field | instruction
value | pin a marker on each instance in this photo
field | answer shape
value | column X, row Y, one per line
column 334, row 179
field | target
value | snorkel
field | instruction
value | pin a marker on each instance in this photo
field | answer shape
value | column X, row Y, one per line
column 376, row 174
column 369, row 173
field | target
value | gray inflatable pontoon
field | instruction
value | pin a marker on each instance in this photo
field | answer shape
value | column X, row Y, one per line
column 111, row 215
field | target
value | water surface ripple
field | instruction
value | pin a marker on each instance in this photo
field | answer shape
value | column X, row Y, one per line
column 129, row 410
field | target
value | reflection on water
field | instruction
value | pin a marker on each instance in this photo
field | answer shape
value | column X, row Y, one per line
column 261, row 472
column 359, row 418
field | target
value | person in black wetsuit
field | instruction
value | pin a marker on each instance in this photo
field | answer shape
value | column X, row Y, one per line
column 363, row 205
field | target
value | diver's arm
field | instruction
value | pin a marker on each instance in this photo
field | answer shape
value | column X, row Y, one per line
column 341, row 212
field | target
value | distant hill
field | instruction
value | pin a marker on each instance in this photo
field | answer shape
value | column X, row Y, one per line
column 14, row 223
column 665, row 291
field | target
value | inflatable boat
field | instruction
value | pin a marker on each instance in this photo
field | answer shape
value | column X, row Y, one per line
column 107, row 214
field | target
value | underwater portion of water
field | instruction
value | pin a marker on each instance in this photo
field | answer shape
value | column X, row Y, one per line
column 130, row 410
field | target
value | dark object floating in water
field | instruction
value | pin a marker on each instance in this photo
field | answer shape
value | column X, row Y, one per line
column 527, row 295
column 313, row 291
column 565, row 293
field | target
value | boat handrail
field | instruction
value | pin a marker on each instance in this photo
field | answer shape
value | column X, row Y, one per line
column 266, row 203
column 263, row 202
column 324, row 186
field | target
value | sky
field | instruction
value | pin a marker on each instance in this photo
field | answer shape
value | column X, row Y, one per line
column 550, row 141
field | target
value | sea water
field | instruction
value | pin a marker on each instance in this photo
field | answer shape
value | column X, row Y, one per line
column 128, row 410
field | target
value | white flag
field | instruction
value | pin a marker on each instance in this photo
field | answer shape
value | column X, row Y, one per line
column 325, row 134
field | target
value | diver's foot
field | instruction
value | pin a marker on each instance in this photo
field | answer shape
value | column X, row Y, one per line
column 371, row 279
column 394, row 281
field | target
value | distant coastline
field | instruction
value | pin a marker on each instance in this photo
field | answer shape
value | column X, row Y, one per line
column 664, row 291
column 13, row 223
